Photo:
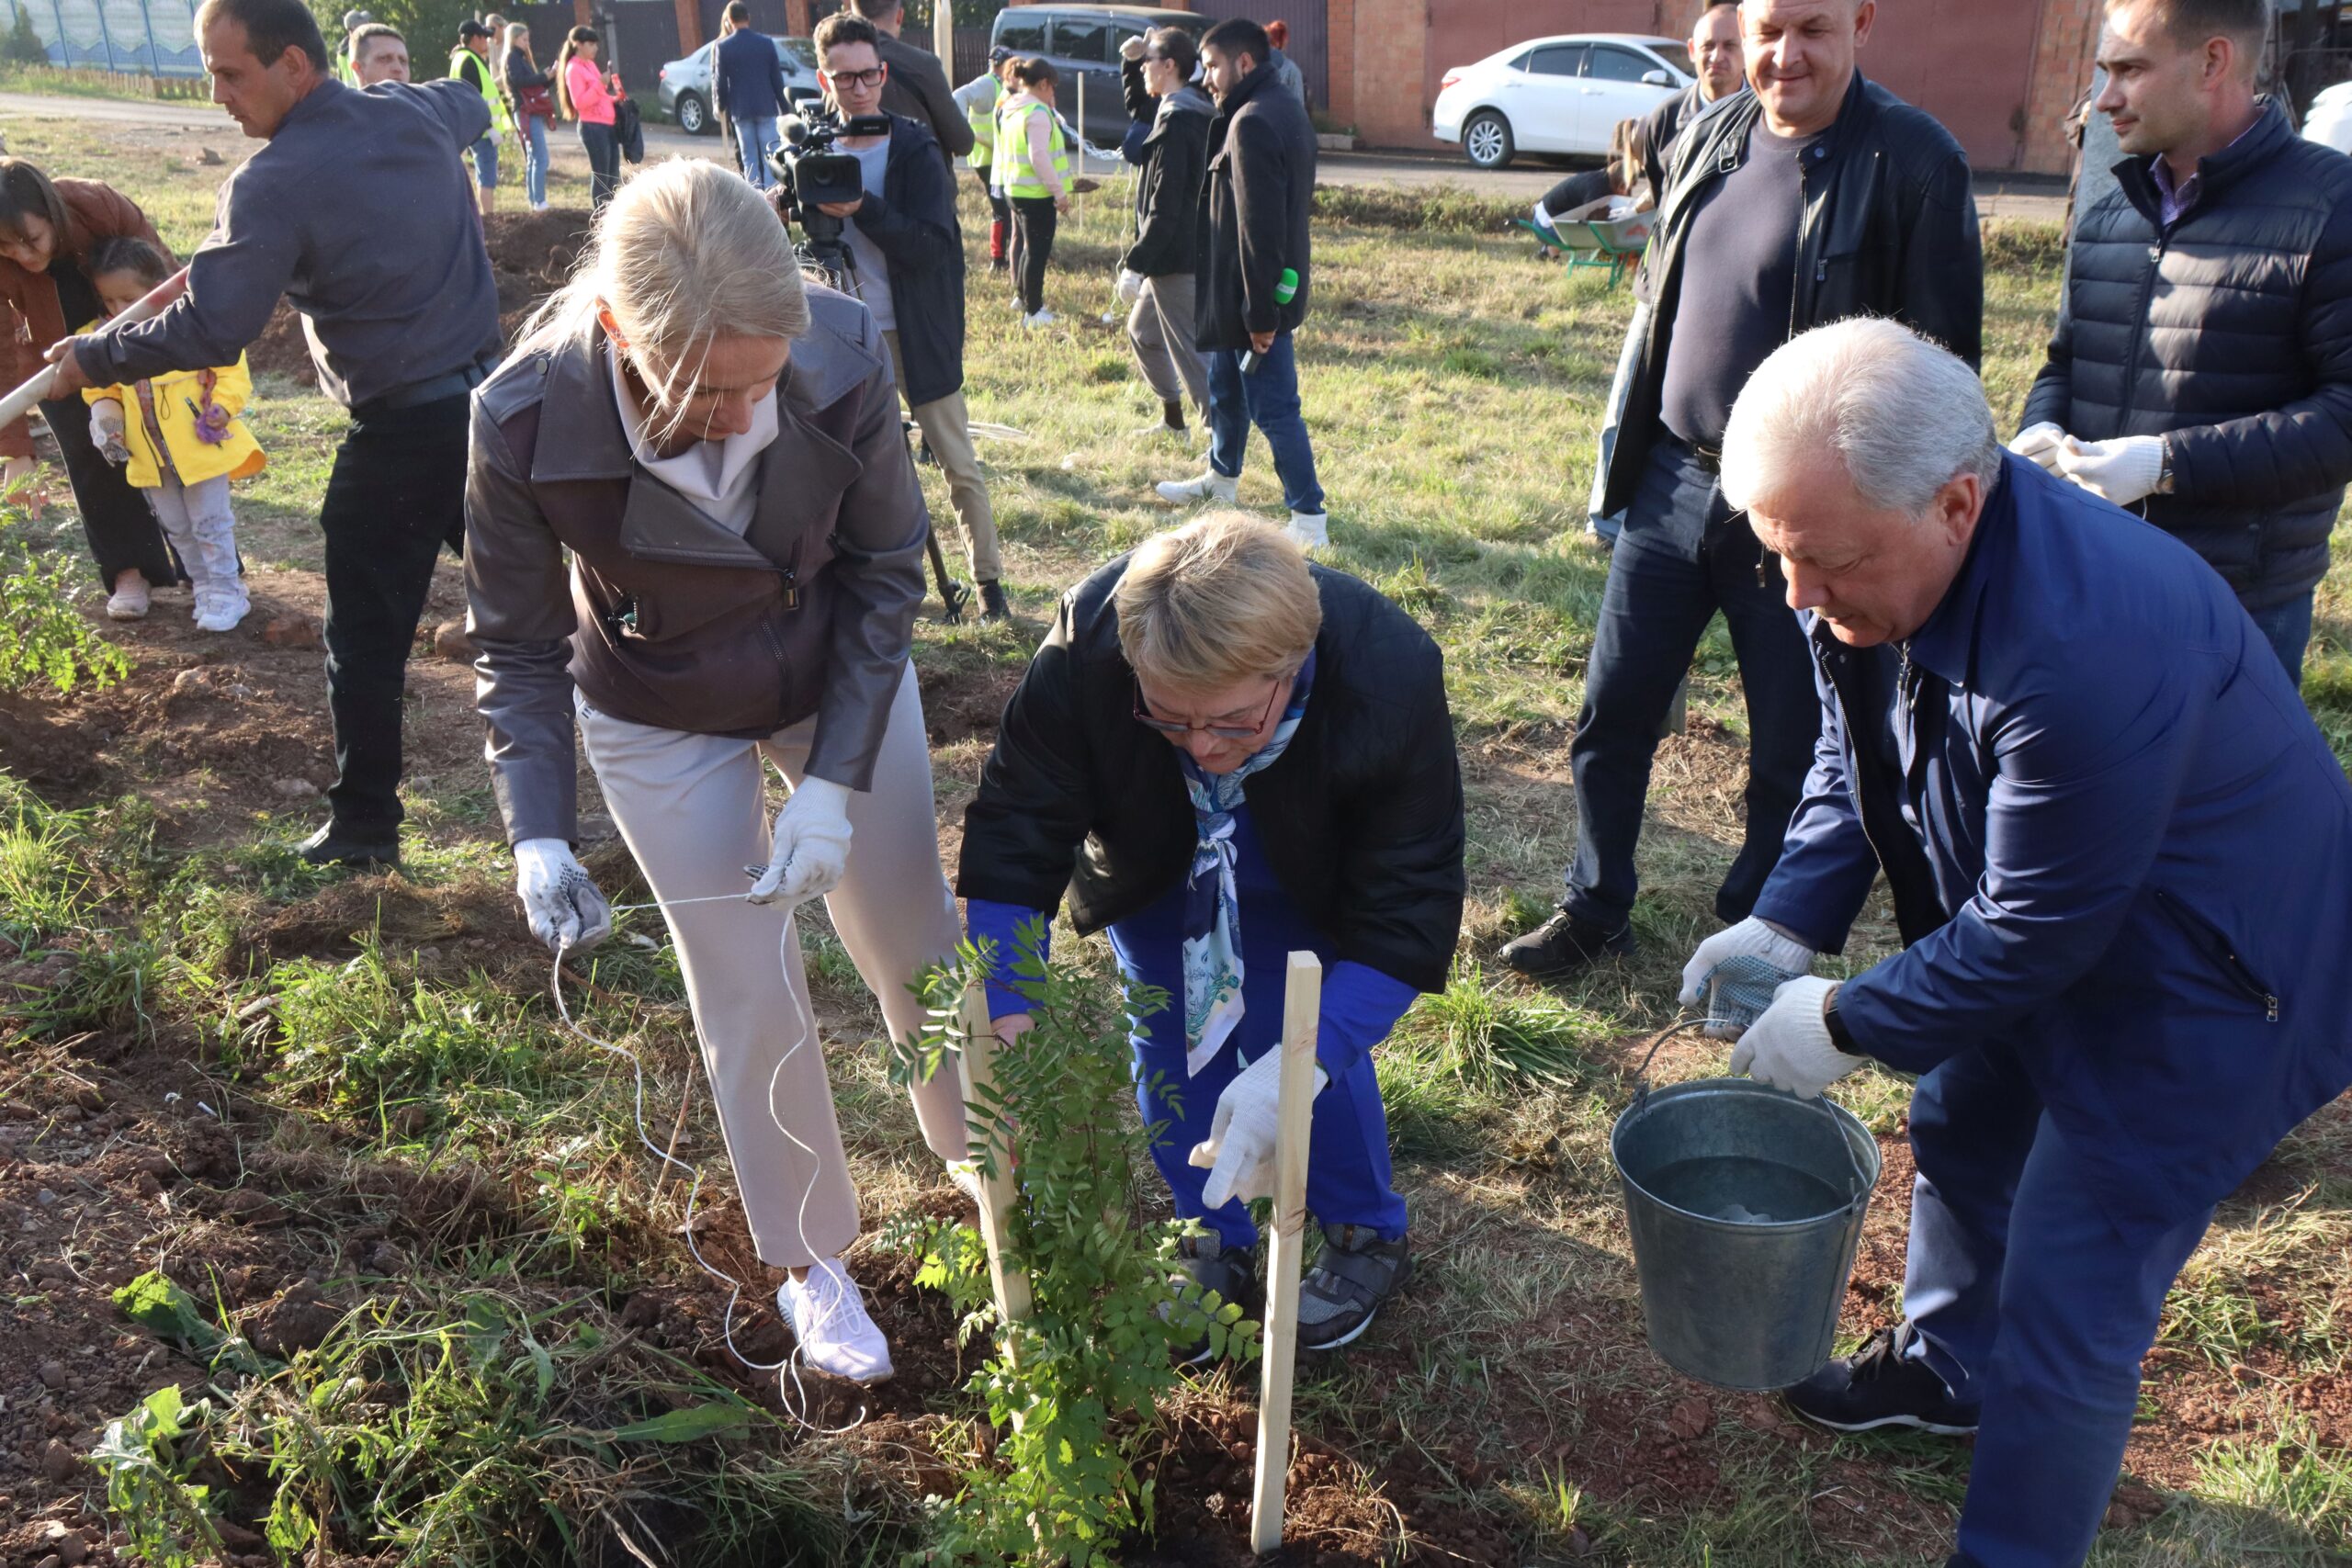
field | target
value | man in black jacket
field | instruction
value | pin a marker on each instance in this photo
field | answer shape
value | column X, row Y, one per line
column 747, row 84
column 1156, row 274
column 909, row 259
column 1252, row 276
column 1223, row 755
column 1815, row 197
column 917, row 88
column 2202, row 369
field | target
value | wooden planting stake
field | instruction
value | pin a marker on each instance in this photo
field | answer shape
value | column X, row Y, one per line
column 1302, row 1010
column 977, row 1062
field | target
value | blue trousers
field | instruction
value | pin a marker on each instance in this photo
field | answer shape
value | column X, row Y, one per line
column 535, row 157
column 754, row 140
column 2287, row 629
column 1682, row 558
column 2027, row 1296
column 485, row 153
column 1267, row 396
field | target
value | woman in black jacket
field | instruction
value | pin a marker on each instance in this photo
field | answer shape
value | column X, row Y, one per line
column 530, row 93
column 1170, row 140
column 1223, row 754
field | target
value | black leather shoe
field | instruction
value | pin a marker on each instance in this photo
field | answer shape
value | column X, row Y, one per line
column 1564, row 945
column 1211, row 1268
column 1883, row 1385
column 337, row 845
column 994, row 606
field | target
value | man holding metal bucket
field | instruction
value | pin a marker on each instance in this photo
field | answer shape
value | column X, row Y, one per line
column 2120, row 857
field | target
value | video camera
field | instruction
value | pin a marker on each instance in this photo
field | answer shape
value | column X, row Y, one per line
column 811, row 175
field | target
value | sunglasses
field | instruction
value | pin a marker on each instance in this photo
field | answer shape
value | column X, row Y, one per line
column 1222, row 731
column 872, row 78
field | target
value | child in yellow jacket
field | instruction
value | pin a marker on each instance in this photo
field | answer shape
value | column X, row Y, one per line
column 181, row 437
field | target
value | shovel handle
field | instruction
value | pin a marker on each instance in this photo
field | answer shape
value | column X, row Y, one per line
column 19, row 404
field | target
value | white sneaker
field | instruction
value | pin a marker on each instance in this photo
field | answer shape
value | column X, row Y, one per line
column 220, row 609
column 1040, row 319
column 828, row 1316
column 1309, row 530
column 129, row 601
column 539, row 207
column 1210, row 486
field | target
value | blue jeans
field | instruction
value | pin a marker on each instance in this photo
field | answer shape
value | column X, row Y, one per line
column 2028, row 1297
column 1682, row 558
column 1620, row 386
column 486, row 160
column 1268, row 397
column 535, row 158
column 2288, row 629
column 754, row 140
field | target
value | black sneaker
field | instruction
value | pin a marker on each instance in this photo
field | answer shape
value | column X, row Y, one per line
column 1353, row 1279
column 337, row 845
column 1883, row 1385
column 1209, row 1266
column 994, row 606
column 1564, row 945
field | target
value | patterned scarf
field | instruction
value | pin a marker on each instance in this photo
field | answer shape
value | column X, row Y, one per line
column 1213, row 1003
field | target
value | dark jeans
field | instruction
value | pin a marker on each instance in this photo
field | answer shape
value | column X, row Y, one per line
column 2287, row 629
column 1265, row 395
column 1682, row 558
column 116, row 519
column 2027, row 1296
column 396, row 496
column 1032, row 246
column 604, row 147
column 1000, row 209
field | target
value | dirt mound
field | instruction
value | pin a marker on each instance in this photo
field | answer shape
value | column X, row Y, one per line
column 531, row 253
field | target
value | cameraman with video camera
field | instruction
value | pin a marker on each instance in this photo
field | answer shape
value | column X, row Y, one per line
column 906, row 259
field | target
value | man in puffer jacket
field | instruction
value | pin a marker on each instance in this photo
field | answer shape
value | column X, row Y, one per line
column 2201, row 373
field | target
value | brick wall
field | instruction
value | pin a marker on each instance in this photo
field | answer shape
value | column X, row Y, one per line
column 1387, row 44
column 2061, row 71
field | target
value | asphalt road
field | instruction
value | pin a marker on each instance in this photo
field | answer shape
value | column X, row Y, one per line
column 1997, row 195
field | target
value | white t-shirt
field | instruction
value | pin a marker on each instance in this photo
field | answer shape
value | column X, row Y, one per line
column 873, row 270
column 719, row 477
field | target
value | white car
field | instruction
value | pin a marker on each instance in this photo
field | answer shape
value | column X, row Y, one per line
column 2330, row 121
column 1556, row 95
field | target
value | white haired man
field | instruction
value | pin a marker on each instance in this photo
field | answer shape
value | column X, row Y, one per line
column 2120, row 856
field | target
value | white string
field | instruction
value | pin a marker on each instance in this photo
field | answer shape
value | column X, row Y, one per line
column 796, row 1401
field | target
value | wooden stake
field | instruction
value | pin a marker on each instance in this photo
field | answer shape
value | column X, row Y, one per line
column 1302, row 1013
column 976, row 1063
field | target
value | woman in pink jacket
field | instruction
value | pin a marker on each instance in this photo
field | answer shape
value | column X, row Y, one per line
column 587, row 94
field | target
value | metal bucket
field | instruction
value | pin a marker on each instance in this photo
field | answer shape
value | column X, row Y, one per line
column 1746, row 1206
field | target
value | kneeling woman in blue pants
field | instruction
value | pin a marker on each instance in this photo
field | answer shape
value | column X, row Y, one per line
column 1224, row 754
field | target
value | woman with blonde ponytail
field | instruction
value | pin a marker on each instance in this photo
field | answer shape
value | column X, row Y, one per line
column 717, row 445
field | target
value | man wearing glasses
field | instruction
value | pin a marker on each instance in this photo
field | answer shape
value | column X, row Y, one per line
column 1223, row 754
column 909, row 261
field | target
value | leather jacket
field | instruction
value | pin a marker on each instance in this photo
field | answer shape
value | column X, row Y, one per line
column 1888, row 228
column 663, row 616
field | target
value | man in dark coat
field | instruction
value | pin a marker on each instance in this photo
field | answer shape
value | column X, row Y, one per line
column 747, row 81
column 917, row 86
column 2120, row 854
column 1252, row 275
column 1814, row 197
column 2202, row 369
column 1156, row 274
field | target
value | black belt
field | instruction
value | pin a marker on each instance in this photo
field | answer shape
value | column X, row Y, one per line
column 1708, row 457
column 416, row 394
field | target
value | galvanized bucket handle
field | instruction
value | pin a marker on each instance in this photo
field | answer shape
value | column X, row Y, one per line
column 1856, row 1190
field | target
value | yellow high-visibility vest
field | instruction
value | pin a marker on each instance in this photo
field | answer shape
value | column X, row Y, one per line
column 1021, row 176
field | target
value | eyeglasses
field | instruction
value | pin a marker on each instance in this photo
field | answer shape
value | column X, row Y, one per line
column 872, row 78
column 1222, row 731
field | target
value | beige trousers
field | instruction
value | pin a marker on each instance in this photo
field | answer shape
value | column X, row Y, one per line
column 1161, row 329
column 693, row 811
column 946, row 426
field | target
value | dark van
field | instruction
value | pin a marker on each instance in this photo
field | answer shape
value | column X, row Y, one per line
column 1084, row 40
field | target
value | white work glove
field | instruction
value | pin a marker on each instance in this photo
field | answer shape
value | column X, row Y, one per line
column 1751, row 938
column 2122, row 471
column 811, row 845
column 559, row 898
column 106, row 430
column 1240, row 1150
column 2040, row 443
column 1790, row 1046
column 1130, row 286
column 1131, row 47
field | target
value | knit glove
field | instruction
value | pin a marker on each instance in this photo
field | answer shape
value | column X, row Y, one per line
column 1785, row 957
column 106, row 430
column 811, row 845
column 2040, row 443
column 1240, row 1150
column 1130, row 286
column 1790, row 1046
column 559, row 897
column 2123, row 471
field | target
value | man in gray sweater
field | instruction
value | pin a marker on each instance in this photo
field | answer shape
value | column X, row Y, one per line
column 403, row 323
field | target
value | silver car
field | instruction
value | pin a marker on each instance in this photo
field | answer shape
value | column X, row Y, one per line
column 685, row 83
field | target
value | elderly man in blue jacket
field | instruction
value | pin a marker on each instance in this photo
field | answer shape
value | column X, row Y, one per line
column 2120, row 856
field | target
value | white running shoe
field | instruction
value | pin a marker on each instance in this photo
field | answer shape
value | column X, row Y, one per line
column 129, row 601
column 220, row 609
column 1210, row 486
column 828, row 1315
column 1039, row 319
column 1309, row 530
